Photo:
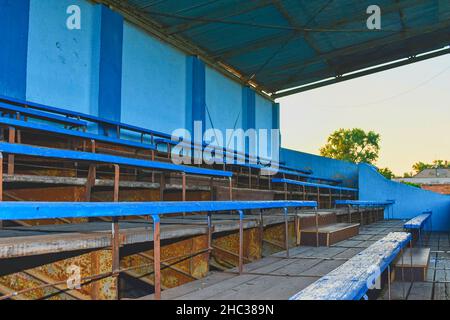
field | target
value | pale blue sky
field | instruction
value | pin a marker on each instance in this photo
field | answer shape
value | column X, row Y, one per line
column 414, row 126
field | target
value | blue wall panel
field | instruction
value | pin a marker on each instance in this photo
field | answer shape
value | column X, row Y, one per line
column 223, row 103
column 153, row 82
column 195, row 93
column 110, row 67
column 14, row 18
column 409, row 201
column 63, row 64
column 248, row 108
column 321, row 166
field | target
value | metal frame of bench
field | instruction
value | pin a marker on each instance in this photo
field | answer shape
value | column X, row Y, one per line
column 418, row 223
column 363, row 203
column 115, row 210
column 342, row 283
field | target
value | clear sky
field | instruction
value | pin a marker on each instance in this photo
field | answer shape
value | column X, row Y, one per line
column 409, row 106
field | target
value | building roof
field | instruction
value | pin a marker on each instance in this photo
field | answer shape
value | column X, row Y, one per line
column 433, row 173
column 278, row 45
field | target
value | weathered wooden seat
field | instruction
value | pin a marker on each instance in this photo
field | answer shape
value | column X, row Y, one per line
column 412, row 265
column 325, row 232
column 353, row 279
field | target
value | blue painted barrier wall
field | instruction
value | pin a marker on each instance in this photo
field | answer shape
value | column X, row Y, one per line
column 114, row 69
column 409, row 201
column 321, row 166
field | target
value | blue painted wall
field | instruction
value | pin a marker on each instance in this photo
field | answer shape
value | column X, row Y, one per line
column 62, row 68
column 321, row 166
column 223, row 102
column 14, row 17
column 153, row 82
column 409, row 201
column 113, row 69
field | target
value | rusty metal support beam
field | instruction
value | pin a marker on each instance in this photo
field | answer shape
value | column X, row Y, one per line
column 115, row 241
column 316, row 212
column 157, row 255
column 286, row 231
column 11, row 139
column 241, row 241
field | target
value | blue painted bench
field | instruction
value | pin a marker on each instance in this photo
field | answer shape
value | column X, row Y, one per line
column 51, row 210
column 41, row 115
column 417, row 224
column 353, row 279
column 310, row 184
column 73, row 133
column 364, row 203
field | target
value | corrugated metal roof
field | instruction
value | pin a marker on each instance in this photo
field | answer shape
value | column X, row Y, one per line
column 281, row 44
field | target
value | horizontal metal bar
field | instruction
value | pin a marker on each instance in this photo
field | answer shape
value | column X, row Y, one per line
column 358, row 74
column 73, row 133
column 41, row 115
column 361, row 203
column 52, row 210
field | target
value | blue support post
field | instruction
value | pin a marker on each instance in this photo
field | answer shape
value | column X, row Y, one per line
column 110, row 70
column 14, row 24
column 248, row 113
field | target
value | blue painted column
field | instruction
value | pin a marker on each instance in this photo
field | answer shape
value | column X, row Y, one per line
column 110, row 67
column 14, row 21
column 248, row 112
column 276, row 116
column 195, row 94
column 248, row 109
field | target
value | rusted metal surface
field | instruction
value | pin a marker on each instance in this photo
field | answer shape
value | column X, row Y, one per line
column 275, row 237
column 11, row 139
column 52, row 193
column 226, row 248
column 180, row 262
column 58, row 272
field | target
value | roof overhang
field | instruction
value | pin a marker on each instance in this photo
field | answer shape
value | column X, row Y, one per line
column 282, row 47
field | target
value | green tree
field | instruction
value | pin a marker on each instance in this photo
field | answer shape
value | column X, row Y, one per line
column 387, row 173
column 354, row 145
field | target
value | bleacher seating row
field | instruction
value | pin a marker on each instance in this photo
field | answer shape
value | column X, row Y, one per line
column 52, row 210
column 21, row 110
